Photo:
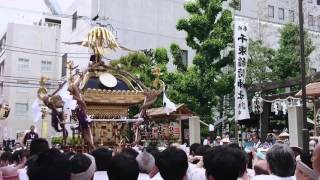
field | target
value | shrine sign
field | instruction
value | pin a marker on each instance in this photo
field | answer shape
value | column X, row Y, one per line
column 241, row 40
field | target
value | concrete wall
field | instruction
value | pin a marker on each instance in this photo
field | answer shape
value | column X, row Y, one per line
column 30, row 37
column 266, row 28
column 139, row 24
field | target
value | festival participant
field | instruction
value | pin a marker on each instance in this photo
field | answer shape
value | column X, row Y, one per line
column 49, row 165
column 173, row 157
column 316, row 159
column 155, row 174
column 129, row 152
column 146, row 163
column 260, row 164
column 303, row 172
column 103, row 158
column 123, row 167
column 17, row 146
column 225, row 141
column 218, row 141
column 196, row 172
column 38, row 145
column 5, row 158
column 9, row 173
column 193, row 148
column 256, row 140
column 224, row 163
column 19, row 159
column 19, row 156
column 281, row 162
column 83, row 167
column 31, row 135
column 207, row 141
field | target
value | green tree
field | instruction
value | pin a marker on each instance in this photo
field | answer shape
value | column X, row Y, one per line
column 209, row 32
column 141, row 64
column 177, row 56
column 259, row 62
column 200, row 87
column 287, row 59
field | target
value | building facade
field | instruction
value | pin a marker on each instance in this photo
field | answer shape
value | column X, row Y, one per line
column 267, row 17
column 27, row 53
column 137, row 25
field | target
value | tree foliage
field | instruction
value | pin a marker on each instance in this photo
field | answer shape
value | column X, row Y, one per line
column 209, row 32
column 161, row 56
column 141, row 64
column 287, row 59
column 259, row 63
column 177, row 56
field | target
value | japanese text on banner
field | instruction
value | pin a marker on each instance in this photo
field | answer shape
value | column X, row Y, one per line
column 241, row 53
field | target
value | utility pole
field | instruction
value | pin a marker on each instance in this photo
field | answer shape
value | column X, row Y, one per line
column 305, row 131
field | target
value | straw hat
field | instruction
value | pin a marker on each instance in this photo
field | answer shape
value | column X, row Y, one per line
column 225, row 140
column 284, row 134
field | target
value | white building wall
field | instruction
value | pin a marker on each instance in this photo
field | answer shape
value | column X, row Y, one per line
column 37, row 38
column 139, row 24
column 266, row 28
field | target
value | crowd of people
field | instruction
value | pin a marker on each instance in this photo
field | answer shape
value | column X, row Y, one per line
column 218, row 161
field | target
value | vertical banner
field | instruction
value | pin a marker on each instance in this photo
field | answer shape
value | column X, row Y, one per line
column 241, row 41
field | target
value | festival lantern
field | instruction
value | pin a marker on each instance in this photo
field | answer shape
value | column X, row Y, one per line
column 284, row 107
column 276, row 107
column 257, row 104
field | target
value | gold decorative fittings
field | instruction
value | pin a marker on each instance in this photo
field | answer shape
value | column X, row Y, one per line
column 42, row 91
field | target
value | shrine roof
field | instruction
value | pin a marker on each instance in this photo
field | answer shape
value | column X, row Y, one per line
column 312, row 90
column 128, row 90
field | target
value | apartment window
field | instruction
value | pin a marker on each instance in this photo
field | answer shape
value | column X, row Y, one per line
column 23, row 64
column 185, row 57
column 281, row 13
column 74, row 20
column 318, row 2
column 271, row 11
column 21, row 108
column 46, row 66
column 310, row 20
column 64, row 65
column 291, row 15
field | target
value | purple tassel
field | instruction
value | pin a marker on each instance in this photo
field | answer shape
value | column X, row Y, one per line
column 82, row 118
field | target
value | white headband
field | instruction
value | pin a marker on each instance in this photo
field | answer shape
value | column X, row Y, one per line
column 88, row 174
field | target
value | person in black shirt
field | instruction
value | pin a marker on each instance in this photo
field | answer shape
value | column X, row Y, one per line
column 30, row 135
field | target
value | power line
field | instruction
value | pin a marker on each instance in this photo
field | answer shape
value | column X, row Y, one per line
column 27, row 78
column 36, row 87
column 54, row 52
column 43, row 54
column 52, row 55
column 28, row 83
